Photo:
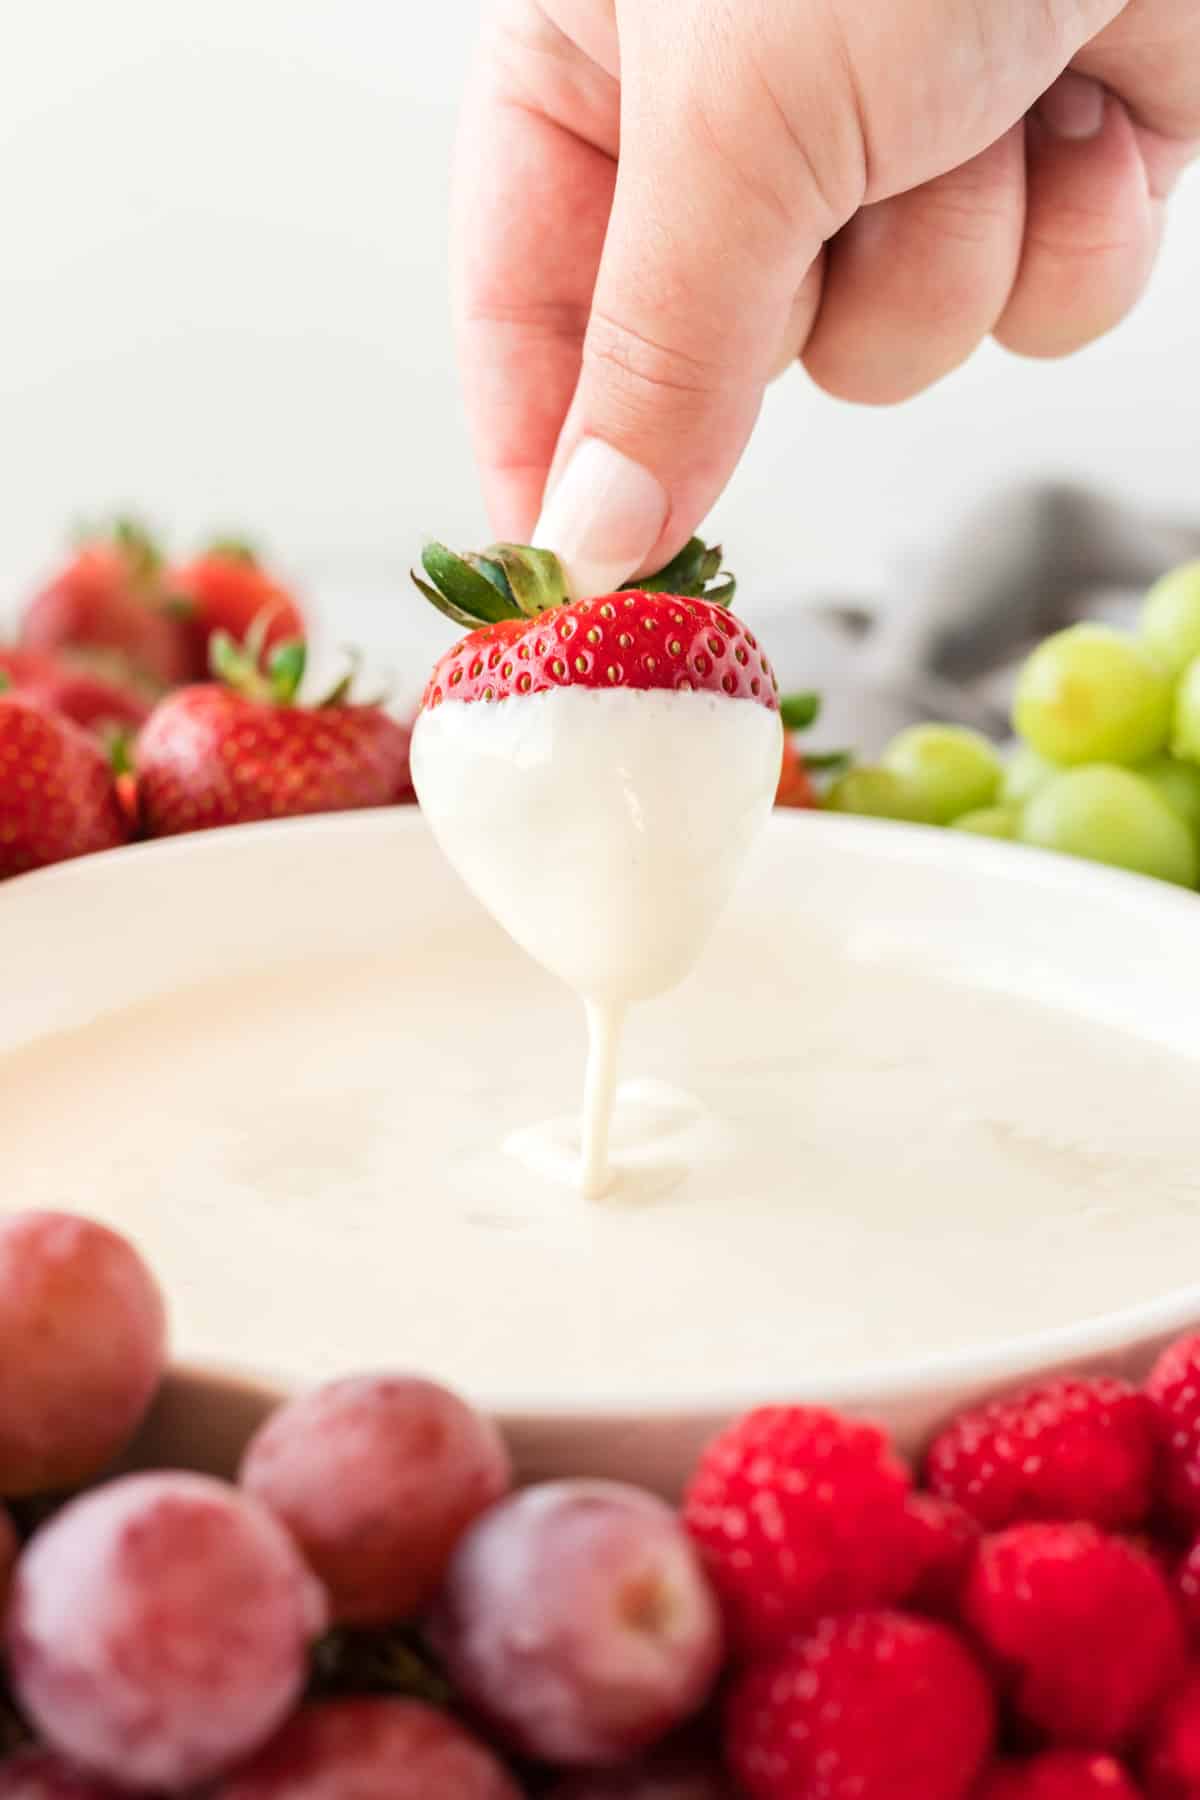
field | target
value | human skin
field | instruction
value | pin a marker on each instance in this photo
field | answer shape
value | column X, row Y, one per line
column 661, row 204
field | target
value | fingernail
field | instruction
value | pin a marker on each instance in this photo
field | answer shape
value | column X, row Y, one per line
column 1073, row 107
column 603, row 516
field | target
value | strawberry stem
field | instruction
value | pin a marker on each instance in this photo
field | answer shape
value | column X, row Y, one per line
column 234, row 549
column 5, row 681
column 119, row 744
column 514, row 581
column 135, row 541
column 235, row 665
column 285, row 670
column 828, row 762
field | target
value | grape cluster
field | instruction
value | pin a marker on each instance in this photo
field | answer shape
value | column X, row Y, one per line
column 1108, row 763
column 167, row 1633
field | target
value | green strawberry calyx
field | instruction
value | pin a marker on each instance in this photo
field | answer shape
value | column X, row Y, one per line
column 136, row 542
column 233, row 549
column 275, row 677
column 515, row 581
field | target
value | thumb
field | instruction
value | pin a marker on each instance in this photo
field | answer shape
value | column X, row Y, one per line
column 697, row 280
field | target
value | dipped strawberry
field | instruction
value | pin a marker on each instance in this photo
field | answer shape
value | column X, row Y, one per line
column 242, row 748
column 58, row 798
column 597, row 769
column 227, row 589
column 105, row 612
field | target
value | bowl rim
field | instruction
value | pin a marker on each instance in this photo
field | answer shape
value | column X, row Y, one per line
column 917, row 1378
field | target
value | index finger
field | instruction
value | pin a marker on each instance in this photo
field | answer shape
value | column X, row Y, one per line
column 536, row 167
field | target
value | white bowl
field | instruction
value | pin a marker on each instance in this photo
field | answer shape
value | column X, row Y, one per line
column 92, row 936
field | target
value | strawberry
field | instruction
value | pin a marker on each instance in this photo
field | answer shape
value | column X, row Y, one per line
column 228, row 590
column 232, row 751
column 671, row 632
column 57, row 794
column 26, row 668
column 617, row 749
column 104, row 611
column 795, row 783
column 98, row 704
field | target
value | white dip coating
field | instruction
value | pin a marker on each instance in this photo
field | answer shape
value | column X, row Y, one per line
column 605, row 830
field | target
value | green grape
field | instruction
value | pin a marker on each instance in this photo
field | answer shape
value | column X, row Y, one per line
column 1110, row 815
column 953, row 770
column 877, row 794
column 1091, row 694
column 1185, row 726
column 1170, row 618
column 989, row 821
column 1024, row 772
column 1179, row 785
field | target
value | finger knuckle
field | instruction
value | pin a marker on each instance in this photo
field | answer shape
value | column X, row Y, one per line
column 637, row 368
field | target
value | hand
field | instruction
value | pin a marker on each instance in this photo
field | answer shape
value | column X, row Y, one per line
column 662, row 203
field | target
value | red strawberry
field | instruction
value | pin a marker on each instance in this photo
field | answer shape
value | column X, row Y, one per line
column 1065, row 1449
column 100, row 705
column 1174, row 1391
column 795, row 783
column 872, row 1706
column 1059, row 1775
column 1081, row 1627
column 57, row 794
column 228, row 590
column 673, row 632
column 796, row 1513
column 26, row 668
column 104, row 611
column 229, row 754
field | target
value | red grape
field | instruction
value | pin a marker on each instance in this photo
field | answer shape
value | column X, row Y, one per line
column 40, row 1775
column 576, row 1619
column 678, row 1776
column 376, row 1749
column 377, row 1478
column 10, row 1545
column 159, row 1628
column 82, row 1319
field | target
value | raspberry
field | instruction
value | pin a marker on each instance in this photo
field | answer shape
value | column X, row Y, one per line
column 1066, row 1449
column 1059, row 1775
column 943, row 1539
column 1171, row 1755
column 1186, row 1581
column 1174, row 1392
column 871, row 1706
column 797, row 1513
column 1081, row 1626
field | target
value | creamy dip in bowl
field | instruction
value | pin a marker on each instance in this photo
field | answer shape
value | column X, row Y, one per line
column 922, row 1120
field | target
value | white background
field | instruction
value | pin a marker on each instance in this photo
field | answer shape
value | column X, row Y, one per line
column 223, row 301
